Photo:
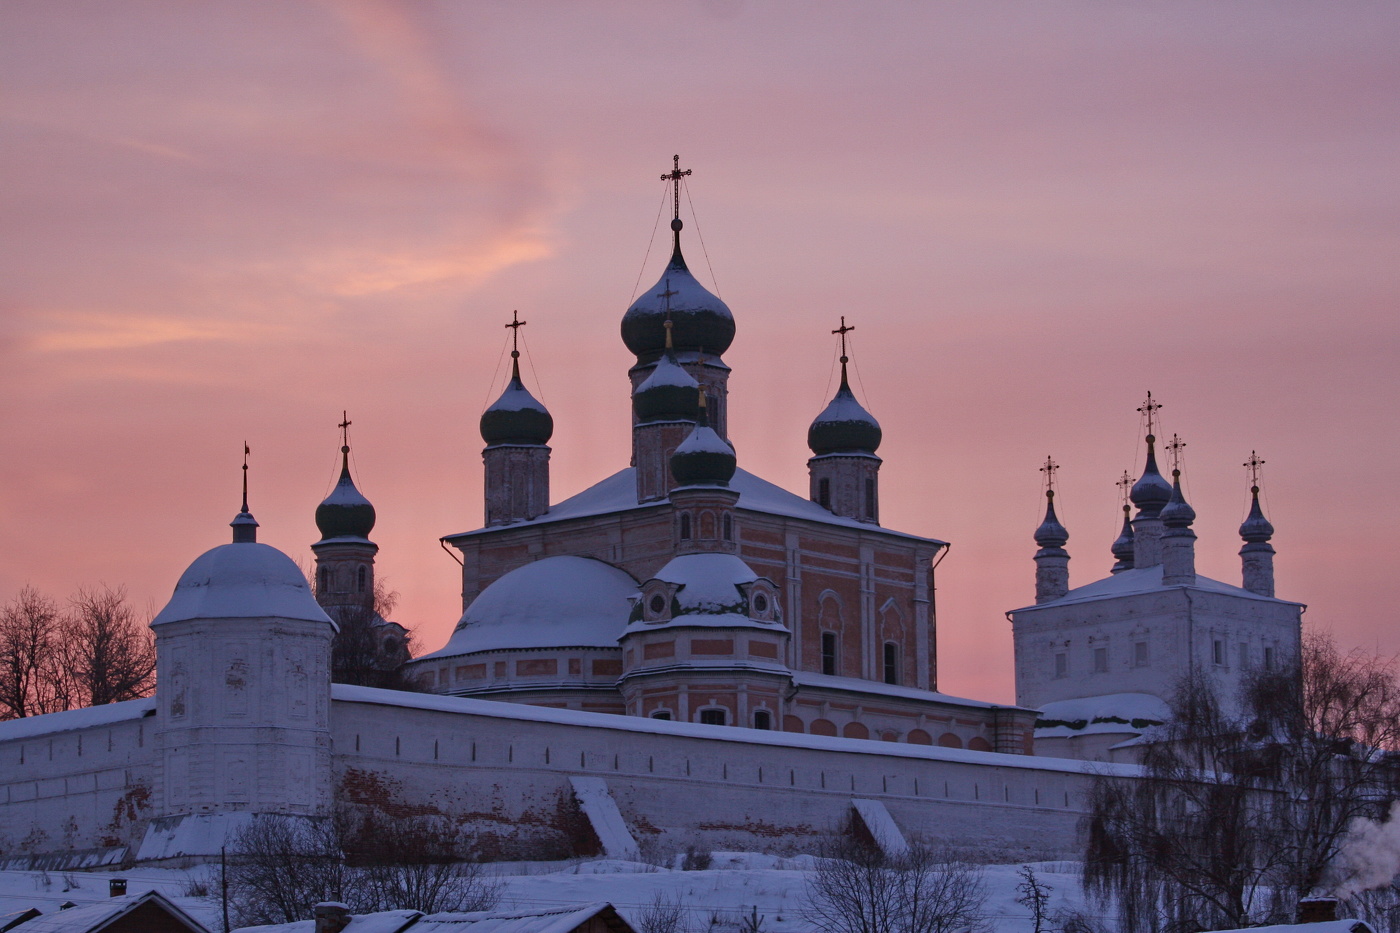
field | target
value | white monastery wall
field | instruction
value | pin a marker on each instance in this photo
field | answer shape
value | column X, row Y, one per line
column 504, row 770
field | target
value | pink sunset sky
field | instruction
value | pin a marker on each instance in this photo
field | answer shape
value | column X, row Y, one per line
column 230, row 221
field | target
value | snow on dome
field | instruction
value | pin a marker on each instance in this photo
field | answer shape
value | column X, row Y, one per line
column 669, row 393
column 844, row 425
column 703, row 458
column 345, row 513
column 557, row 602
column 1152, row 492
column 709, row 584
column 242, row 581
column 517, row 417
column 700, row 321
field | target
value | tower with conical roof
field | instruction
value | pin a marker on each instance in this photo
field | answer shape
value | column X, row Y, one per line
column 516, row 429
column 345, row 554
column 1257, row 555
column 701, row 328
column 1052, row 560
column 844, row 470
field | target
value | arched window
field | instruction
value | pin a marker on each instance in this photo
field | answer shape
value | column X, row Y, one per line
column 728, row 527
column 824, row 493
column 663, row 714
column 891, row 663
column 685, row 526
column 360, row 580
column 762, row 719
column 712, row 717
column 829, row 653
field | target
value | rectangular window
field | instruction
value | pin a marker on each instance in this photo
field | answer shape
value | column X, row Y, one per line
column 1268, row 659
column 1217, row 652
column 829, row 653
column 712, row 717
column 1244, row 657
column 1100, row 660
column 824, row 493
column 762, row 719
column 1061, row 665
column 1140, row 654
column 891, row 663
column 870, row 498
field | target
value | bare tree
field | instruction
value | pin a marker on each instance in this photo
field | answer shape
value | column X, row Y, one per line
column 859, row 889
column 108, row 652
column 415, row 863
column 369, row 650
column 282, row 866
column 29, row 669
column 1034, row 895
column 664, row 914
column 1239, row 813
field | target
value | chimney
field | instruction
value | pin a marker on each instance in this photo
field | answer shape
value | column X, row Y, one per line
column 116, row 887
column 1317, row 910
column 331, row 917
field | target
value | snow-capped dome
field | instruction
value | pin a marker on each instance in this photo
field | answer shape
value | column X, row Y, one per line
column 1152, row 492
column 244, row 580
column 669, row 393
column 703, row 458
column 844, row 425
column 1256, row 528
column 345, row 513
column 557, row 602
column 1178, row 512
column 702, row 322
column 517, row 417
column 709, row 585
column 1051, row 533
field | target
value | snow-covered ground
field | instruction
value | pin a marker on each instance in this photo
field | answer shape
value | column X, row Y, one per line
column 714, row 900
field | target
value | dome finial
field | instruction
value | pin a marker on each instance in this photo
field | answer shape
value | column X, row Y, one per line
column 344, row 426
column 345, row 513
column 844, row 425
column 517, row 417
column 515, row 325
column 245, row 527
column 843, row 330
column 1050, row 534
column 674, row 176
column 1151, row 493
column 1256, row 528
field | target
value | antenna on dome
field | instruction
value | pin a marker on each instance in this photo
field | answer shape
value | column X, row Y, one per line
column 246, row 452
column 515, row 325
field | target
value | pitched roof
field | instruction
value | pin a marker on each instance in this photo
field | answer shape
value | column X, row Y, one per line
column 98, row 916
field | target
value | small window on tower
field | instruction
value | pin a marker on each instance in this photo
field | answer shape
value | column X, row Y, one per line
column 685, row 526
column 762, row 719
column 1217, row 652
column 824, row 493
column 828, row 652
column 658, row 604
column 712, row 717
column 1100, row 660
column 1140, row 654
column 1268, row 659
column 323, row 580
column 891, row 663
column 728, row 527
column 1061, row 664
column 760, row 603
column 360, row 580
column 870, row 498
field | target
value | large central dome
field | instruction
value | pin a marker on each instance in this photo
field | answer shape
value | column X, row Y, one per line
column 700, row 321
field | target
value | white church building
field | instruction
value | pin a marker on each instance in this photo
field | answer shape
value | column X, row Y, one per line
column 683, row 654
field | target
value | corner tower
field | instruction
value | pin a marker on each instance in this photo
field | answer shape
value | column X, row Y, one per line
column 844, row 470
column 516, row 429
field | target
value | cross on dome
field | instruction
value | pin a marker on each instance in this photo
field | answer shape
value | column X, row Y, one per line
column 1125, row 486
column 674, row 176
column 1049, row 468
column 1149, row 409
column 1252, row 465
column 1176, row 446
column 843, row 330
column 344, row 426
column 515, row 325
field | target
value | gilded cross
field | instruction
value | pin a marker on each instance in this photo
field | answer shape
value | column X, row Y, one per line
column 1176, row 447
column 1252, row 465
column 1150, row 408
column 843, row 330
column 674, row 176
column 1050, row 468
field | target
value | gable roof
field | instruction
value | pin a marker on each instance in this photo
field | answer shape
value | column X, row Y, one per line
column 618, row 493
column 98, row 916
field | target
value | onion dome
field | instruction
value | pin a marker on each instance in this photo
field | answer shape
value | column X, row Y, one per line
column 844, row 426
column 702, row 321
column 1178, row 512
column 1051, row 533
column 669, row 393
column 703, row 458
column 345, row 513
column 1256, row 528
column 1122, row 547
column 1152, row 492
column 517, row 417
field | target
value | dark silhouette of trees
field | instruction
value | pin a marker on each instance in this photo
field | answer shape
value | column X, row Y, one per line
column 369, row 650
column 1241, row 810
column 857, row 888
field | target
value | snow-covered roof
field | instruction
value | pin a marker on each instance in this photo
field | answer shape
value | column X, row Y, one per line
column 557, row 602
column 638, row 725
column 549, row 920
column 875, row 688
column 88, row 718
column 1106, row 714
column 100, row 915
column 243, row 580
column 1146, row 580
column 709, row 582
column 1326, row 926
column 385, row 921
column 618, row 493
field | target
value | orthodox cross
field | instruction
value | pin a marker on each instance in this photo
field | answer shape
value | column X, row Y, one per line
column 1252, row 465
column 843, row 330
column 515, row 325
column 1176, row 447
column 674, row 176
column 1149, row 409
column 1125, row 486
column 246, row 452
column 1049, row 468
column 344, row 426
